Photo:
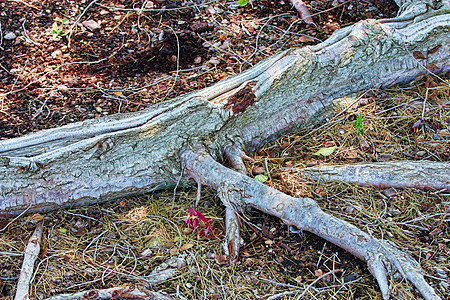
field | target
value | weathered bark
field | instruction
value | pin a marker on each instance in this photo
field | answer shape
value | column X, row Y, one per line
column 133, row 153
column 129, row 153
column 238, row 190
column 30, row 256
column 114, row 293
column 424, row 174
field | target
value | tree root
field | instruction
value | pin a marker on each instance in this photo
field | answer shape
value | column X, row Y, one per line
column 129, row 292
column 383, row 257
column 413, row 174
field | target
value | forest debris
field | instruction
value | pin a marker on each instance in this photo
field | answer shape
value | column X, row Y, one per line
column 129, row 292
column 30, row 256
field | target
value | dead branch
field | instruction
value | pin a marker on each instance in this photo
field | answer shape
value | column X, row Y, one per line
column 30, row 256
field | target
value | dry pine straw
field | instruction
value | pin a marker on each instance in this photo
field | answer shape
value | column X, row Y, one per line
column 119, row 243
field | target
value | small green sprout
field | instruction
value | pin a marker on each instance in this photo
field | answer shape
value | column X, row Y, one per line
column 58, row 25
column 359, row 126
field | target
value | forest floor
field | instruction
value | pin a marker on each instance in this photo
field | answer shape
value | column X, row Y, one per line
column 61, row 63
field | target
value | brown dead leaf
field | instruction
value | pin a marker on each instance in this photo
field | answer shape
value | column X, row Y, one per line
column 364, row 145
column 43, row 253
column 434, row 49
column 418, row 55
column 352, row 154
column 435, row 231
column 186, row 247
column 221, row 259
column 432, row 67
column 305, row 39
column 37, row 217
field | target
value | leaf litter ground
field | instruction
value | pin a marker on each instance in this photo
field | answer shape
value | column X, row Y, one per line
column 139, row 58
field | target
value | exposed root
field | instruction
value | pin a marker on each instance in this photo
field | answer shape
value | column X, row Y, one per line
column 405, row 173
column 129, row 292
column 382, row 257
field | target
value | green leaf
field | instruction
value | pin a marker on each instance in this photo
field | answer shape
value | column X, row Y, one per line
column 262, row 178
column 325, row 151
column 62, row 230
column 55, row 27
column 242, row 2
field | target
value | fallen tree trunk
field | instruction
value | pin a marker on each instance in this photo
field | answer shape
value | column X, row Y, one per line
column 125, row 154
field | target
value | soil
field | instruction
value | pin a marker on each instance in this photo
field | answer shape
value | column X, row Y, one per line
column 66, row 64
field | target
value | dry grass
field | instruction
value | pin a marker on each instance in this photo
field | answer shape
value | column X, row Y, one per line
column 120, row 243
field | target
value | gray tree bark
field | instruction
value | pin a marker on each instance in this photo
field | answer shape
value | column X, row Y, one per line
column 125, row 154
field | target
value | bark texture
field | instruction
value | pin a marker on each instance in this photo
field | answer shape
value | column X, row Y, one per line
column 131, row 153
column 424, row 174
column 134, row 153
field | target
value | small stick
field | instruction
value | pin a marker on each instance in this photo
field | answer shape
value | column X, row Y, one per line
column 30, row 257
column 317, row 279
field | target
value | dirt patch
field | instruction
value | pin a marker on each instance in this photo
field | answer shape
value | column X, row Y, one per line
column 69, row 64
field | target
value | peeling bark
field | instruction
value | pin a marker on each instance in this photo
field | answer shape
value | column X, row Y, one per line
column 128, row 154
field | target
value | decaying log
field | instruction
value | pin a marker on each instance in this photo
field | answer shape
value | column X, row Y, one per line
column 125, row 154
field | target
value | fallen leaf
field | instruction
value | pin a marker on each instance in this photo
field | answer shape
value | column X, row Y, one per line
column 352, row 154
column 327, row 151
column 435, row 231
column 303, row 10
column 434, row 49
column 221, row 259
column 418, row 55
column 186, row 247
column 261, row 178
column 43, row 253
column 305, row 39
column 318, row 272
column 37, row 217
column 258, row 170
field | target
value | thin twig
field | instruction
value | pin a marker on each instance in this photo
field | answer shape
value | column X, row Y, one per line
column 78, row 20
column 317, row 279
column 20, row 215
column 17, row 78
column 26, row 35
